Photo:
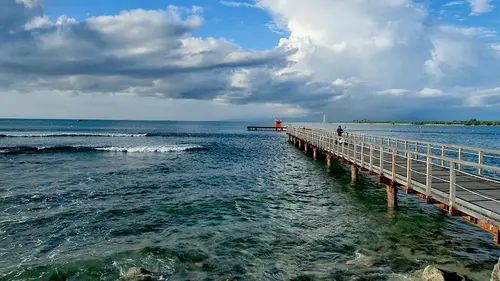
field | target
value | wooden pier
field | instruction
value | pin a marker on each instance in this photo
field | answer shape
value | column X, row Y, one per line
column 463, row 181
column 264, row 128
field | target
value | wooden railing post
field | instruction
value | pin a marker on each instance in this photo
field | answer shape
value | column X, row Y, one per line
column 460, row 157
column 481, row 156
column 326, row 143
column 406, row 148
column 416, row 149
column 429, row 150
column 408, row 172
column 330, row 144
column 342, row 145
column 371, row 157
column 451, row 204
column 354, row 154
column 349, row 150
column 362, row 154
column 443, row 154
column 394, row 166
column 335, row 146
column 381, row 161
column 429, row 179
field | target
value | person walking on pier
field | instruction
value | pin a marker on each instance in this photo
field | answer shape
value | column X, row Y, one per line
column 340, row 131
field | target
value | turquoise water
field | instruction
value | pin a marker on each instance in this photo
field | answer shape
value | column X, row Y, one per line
column 211, row 201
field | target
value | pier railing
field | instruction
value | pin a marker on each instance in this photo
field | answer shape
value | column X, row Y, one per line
column 466, row 179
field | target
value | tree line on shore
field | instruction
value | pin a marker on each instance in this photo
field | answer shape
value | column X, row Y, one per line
column 471, row 122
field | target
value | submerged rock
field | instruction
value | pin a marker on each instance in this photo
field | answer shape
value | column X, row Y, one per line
column 495, row 275
column 138, row 274
column 432, row 273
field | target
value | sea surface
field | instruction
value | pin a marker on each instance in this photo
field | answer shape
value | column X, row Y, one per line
column 210, row 201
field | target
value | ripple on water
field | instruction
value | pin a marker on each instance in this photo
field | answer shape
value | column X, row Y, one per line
column 251, row 207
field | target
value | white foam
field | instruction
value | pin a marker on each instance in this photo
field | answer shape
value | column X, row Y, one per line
column 149, row 149
column 361, row 260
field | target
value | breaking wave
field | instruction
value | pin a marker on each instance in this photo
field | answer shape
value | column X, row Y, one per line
column 52, row 135
column 59, row 149
column 143, row 149
column 158, row 135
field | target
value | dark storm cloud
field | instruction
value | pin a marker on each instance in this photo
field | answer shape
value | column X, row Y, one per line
column 146, row 53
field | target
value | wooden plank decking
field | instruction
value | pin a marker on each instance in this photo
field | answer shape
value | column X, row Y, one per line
column 447, row 180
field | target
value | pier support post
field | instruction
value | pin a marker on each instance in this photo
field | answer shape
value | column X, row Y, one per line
column 315, row 153
column 496, row 236
column 300, row 144
column 305, row 148
column 354, row 173
column 329, row 160
column 392, row 196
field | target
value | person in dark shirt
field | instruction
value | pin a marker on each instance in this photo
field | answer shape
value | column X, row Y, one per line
column 340, row 131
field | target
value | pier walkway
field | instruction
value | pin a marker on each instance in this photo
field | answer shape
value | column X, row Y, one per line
column 464, row 181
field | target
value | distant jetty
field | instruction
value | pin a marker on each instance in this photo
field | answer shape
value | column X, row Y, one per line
column 277, row 127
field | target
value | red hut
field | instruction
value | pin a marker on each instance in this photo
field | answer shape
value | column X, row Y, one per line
column 277, row 123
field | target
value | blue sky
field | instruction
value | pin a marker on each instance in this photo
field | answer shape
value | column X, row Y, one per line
column 245, row 26
column 167, row 59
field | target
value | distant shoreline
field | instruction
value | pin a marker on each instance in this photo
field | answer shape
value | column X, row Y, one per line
column 472, row 122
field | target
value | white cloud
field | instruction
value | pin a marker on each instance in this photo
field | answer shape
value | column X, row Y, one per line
column 392, row 92
column 454, row 3
column 238, row 4
column 495, row 47
column 353, row 58
column 346, row 83
column 387, row 44
column 29, row 3
column 38, row 22
column 273, row 27
column 480, row 6
column 469, row 31
column 150, row 53
column 484, row 98
column 427, row 92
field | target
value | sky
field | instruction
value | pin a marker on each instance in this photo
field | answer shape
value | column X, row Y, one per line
column 246, row 60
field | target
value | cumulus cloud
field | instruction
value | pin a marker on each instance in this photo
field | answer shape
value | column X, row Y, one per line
column 371, row 58
column 391, row 47
column 144, row 53
column 426, row 92
column 238, row 4
column 484, row 98
column 454, row 3
column 392, row 92
column 480, row 6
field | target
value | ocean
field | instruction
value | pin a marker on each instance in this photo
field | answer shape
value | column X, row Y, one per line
column 210, row 201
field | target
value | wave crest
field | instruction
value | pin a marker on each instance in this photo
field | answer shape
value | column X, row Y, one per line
column 59, row 149
column 145, row 149
column 52, row 135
